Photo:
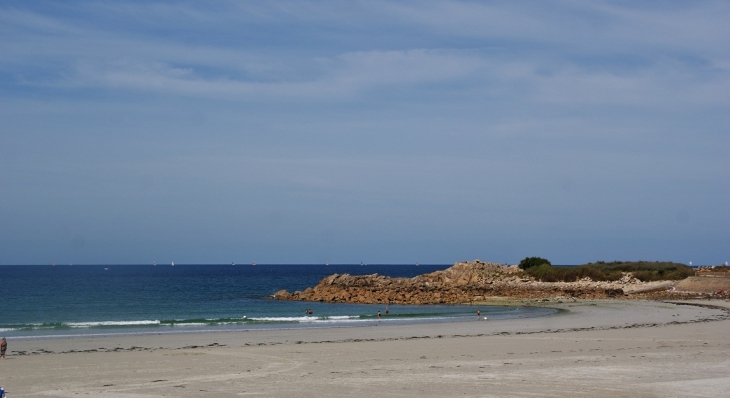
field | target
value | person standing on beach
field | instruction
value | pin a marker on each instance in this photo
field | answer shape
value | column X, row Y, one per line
column 3, row 348
column 479, row 313
column 378, row 316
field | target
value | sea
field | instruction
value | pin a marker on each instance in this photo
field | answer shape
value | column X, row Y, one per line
column 62, row 301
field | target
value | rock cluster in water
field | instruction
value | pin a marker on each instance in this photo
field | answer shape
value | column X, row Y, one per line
column 464, row 282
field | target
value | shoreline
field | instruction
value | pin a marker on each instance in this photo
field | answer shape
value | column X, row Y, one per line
column 327, row 318
column 592, row 348
column 574, row 310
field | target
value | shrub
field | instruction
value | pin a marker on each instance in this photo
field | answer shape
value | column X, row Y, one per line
column 548, row 273
column 645, row 270
column 529, row 262
column 601, row 271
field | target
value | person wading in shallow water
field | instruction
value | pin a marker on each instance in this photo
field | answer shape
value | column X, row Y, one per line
column 3, row 348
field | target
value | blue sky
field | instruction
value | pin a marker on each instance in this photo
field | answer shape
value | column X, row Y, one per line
column 383, row 132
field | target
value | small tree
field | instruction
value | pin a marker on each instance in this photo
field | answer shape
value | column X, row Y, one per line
column 529, row 262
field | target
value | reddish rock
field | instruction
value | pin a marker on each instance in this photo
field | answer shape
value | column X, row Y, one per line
column 462, row 283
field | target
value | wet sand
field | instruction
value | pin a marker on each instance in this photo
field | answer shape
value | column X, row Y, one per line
column 593, row 348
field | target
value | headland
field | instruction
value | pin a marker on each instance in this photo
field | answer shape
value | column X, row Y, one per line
column 484, row 282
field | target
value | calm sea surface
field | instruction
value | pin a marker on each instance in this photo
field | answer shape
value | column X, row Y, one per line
column 64, row 300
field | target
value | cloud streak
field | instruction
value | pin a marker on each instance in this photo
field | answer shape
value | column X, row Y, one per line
column 89, row 56
column 449, row 127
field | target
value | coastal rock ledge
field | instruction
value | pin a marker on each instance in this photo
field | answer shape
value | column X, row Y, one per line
column 464, row 282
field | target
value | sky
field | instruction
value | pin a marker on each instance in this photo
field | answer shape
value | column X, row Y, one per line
column 364, row 131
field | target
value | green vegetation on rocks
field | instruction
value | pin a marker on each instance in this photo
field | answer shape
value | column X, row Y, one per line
column 645, row 271
column 529, row 262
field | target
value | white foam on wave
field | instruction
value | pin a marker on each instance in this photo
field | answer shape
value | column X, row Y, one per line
column 110, row 323
column 285, row 319
column 307, row 319
column 7, row 329
column 355, row 319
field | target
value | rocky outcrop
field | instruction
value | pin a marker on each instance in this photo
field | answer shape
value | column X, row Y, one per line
column 462, row 283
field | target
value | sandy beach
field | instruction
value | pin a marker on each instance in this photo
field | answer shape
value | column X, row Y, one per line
column 592, row 348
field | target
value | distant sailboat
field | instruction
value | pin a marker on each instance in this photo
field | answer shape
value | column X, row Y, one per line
column 173, row 264
column 154, row 263
column 53, row 263
column 253, row 263
column 232, row 263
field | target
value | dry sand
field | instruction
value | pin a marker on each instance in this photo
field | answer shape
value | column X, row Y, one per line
column 594, row 348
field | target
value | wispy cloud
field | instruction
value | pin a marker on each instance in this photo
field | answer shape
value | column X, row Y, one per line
column 65, row 55
column 462, row 110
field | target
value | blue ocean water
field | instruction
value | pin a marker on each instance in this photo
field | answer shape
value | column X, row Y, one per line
column 43, row 301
